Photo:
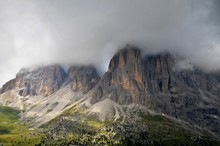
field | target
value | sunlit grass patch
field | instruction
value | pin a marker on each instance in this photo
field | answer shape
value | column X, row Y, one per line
column 12, row 132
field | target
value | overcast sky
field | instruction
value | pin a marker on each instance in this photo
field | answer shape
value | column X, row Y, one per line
column 40, row 32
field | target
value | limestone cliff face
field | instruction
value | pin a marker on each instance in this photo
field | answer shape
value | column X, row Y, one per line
column 152, row 81
column 124, row 81
column 48, row 79
column 191, row 95
column 82, row 78
column 158, row 70
column 39, row 81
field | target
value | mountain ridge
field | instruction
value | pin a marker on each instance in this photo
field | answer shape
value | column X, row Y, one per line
column 133, row 85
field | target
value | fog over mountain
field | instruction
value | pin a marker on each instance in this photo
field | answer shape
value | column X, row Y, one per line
column 38, row 32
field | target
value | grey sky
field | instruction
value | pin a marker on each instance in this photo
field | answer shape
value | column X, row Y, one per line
column 38, row 32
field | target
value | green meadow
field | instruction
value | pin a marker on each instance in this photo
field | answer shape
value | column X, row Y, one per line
column 14, row 133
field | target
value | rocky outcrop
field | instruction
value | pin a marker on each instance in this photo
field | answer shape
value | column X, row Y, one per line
column 46, row 80
column 185, row 94
column 38, row 81
column 82, row 78
column 152, row 81
column 124, row 82
column 158, row 72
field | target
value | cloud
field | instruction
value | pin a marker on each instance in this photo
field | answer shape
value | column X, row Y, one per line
column 183, row 65
column 34, row 32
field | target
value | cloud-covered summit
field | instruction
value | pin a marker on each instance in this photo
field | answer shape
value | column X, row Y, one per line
column 37, row 32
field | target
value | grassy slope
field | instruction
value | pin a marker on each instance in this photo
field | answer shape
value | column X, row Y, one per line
column 14, row 133
column 161, row 131
column 167, row 132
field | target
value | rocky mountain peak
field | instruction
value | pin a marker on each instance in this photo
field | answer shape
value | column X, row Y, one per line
column 82, row 78
column 123, row 82
column 124, row 58
column 152, row 81
column 128, row 65
column 43, row 80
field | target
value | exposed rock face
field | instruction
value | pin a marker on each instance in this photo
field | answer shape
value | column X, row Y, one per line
column 39, row 81
column 82, row 78
column 124, row 81
column 152, row 81
column 158, row 70
column 48, row 79
column 191, row 95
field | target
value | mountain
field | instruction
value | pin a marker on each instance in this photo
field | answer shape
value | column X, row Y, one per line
column 38, row 81
column 158, row 99
column 124, row 82
column 82, row 78
column 154, row 82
